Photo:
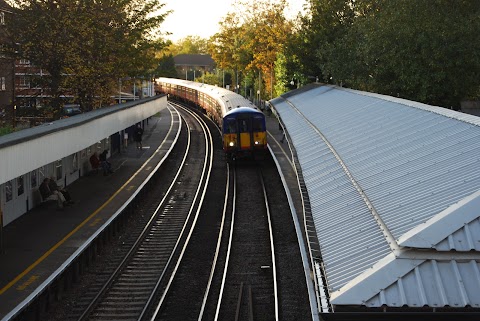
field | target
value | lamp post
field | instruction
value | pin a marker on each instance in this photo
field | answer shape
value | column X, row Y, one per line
column 119, row 90
column 134, row 89
column 14, row 105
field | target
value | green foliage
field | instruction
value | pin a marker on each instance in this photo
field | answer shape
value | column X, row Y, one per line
column 166, row 67
column 189, row 45
column 210, row 78
column 85, row 46
column 5, row 130
column 249, row 40
column 281, row 75
column 427, row 51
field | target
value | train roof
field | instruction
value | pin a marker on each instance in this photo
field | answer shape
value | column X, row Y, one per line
column 243, row 110
column 228, row 99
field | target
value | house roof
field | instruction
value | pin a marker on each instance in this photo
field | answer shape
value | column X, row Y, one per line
column 194, row 60
column 394, row 189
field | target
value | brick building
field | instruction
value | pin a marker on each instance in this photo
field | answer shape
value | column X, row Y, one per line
column 190, row 66
column 6, row 65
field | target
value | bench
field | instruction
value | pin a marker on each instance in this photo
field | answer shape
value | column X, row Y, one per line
column 44, row 203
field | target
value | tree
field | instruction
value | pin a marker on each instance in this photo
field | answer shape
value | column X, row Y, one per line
column 166, row 67
column 45, row 42
column 426, row 51
column 249, row 40
column 87, row 45
column 210, row 78
column 326, row 22
column 189, row 45
column 268, row 31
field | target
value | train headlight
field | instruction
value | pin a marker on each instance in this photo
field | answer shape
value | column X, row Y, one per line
column 231, row 144
column 256, row 142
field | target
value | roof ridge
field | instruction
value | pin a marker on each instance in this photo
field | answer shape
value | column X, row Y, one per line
column 441, row 226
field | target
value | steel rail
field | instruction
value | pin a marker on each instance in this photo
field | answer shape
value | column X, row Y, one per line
column 272, row 248
column 206, row 172
column 229, row 251
column 229, row 248
column 217, row 250
column 137, row 243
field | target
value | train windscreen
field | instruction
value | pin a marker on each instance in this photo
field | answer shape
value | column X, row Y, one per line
column 258, row 124
column 230, row 126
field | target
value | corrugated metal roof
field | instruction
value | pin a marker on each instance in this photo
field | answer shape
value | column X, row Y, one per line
column 394, row 188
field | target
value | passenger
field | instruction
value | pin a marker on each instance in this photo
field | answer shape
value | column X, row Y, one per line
column 94, row 161
column 52, row 184
column 107, row 167
column 137, row 136
column 48, row 195
column 268, row 108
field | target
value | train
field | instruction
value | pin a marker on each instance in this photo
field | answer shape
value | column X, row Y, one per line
column 243, row 126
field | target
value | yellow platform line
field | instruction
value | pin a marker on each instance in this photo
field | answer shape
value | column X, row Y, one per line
column 53, row 248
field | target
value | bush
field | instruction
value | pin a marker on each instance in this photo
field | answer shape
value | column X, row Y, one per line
column 5, row 129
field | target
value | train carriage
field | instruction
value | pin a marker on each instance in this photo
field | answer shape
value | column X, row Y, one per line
column 243, row 125
column 244, row 133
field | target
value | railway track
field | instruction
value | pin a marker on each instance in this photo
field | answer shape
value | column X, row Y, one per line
column 224, row 268
column 134, row 280
column 249, row 289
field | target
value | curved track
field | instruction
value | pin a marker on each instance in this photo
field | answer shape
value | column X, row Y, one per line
column 133, row 283
column 223, row 267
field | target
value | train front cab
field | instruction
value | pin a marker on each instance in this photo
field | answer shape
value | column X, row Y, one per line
column 244, row 134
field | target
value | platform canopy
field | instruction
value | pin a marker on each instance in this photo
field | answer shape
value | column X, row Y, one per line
column 394, row 188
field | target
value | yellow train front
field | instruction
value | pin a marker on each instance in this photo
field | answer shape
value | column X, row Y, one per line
column 244, row 134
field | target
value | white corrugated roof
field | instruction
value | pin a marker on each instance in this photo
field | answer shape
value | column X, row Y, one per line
column 394, row 187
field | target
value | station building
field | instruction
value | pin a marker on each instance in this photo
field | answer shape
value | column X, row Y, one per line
column 62, row 149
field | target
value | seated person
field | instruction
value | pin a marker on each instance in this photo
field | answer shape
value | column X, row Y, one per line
column 107, row 167
column 47, row 194
column 54, row 187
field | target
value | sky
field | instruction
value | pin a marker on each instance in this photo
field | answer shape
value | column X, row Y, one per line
column 201, row 18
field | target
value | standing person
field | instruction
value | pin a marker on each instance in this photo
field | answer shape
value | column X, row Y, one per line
column 107, row 167
column 137, row 136
column 47, row 194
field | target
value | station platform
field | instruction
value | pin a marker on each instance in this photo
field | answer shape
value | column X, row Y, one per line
column 36, row 244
